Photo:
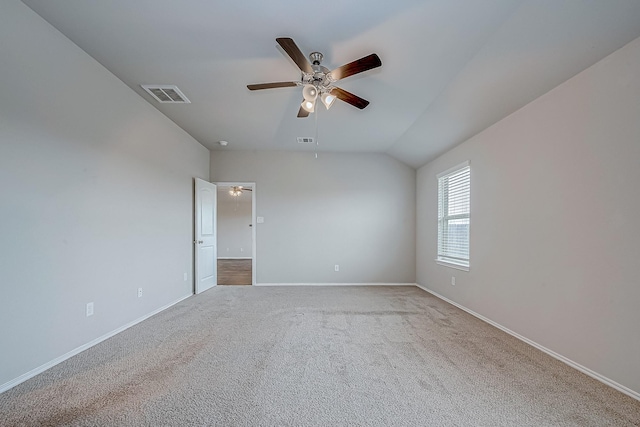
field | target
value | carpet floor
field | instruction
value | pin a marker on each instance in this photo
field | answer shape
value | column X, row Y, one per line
column 314, row 356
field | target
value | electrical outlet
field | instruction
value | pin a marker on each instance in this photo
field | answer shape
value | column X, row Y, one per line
column 337, row 267
column 453, row 280
column 186, row 277
column 139, row 292
column 89, row 309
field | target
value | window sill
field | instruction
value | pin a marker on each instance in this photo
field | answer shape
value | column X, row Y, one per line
column 450, row 264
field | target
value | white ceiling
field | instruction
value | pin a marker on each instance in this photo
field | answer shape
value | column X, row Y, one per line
column 451, row 68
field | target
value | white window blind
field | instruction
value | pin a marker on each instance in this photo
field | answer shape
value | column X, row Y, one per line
column 454, row 188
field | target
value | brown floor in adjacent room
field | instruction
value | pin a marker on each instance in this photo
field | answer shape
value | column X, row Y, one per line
column 234, row 272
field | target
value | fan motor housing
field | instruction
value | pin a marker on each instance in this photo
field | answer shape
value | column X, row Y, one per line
column 316, row 58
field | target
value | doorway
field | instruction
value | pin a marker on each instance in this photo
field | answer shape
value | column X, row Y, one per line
column 236, row 234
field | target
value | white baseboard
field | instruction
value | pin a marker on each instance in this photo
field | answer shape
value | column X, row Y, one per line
column 335, row 284
column 234, row 257
column 579, row 367
column 32, row 373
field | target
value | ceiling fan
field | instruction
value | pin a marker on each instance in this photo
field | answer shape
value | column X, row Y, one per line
column 237, row 190
column 318, row 81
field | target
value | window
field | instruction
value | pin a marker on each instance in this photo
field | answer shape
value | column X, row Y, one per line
column 453, row 216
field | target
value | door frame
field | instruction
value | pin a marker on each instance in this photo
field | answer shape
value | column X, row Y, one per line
column 253, row 220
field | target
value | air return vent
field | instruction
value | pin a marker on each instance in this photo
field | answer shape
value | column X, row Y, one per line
column 167, row 94
column 305, row 140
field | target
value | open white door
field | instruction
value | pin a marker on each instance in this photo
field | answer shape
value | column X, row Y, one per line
column 206, row 254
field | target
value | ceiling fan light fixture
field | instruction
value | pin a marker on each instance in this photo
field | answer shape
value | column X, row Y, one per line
column 236, row 191
column 309, row 92
column 308, row 106
column 327, row 99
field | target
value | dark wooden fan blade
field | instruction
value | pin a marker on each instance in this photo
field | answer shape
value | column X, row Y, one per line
column 294, row 52
column 355, row 67
column 302, row 112
column 349, row 98
column 260, row 86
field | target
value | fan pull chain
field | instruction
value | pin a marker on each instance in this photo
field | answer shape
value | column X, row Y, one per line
column 317, row 142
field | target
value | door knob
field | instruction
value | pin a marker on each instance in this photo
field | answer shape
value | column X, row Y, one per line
column 198, row 241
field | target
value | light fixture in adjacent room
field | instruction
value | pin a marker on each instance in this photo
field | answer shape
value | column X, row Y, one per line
column 237, row 190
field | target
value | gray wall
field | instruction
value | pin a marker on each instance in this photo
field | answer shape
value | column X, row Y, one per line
column 234, row 218
column 355, row 210
column 554, row 227
column 96, row 197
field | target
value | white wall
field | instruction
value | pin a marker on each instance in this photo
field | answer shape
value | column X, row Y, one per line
column 96, row 197
column 234, row 220
column 554, row 228
column 355, row 210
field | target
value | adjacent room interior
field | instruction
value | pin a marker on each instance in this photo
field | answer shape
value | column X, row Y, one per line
column 235, row 234
column 452, row 208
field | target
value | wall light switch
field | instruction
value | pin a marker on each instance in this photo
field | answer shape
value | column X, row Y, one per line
column 186, row 277
column 260, row 219
column 337, row 267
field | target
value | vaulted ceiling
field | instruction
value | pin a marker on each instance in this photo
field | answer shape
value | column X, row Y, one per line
column 451, row 68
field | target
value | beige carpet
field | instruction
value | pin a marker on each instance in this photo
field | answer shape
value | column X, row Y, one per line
column 315, row 356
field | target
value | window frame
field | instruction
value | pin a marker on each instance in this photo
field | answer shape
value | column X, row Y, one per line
column 457, row 263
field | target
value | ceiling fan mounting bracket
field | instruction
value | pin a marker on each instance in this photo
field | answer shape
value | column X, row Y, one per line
column 315, row 58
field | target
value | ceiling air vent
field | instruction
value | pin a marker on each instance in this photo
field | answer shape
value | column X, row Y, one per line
column 167, row 94
column 305, row 140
